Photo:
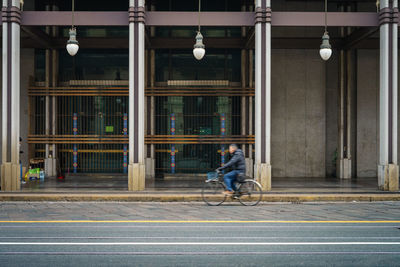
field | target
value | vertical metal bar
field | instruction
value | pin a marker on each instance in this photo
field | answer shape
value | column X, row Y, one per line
column 172, row 146
column 75, row 152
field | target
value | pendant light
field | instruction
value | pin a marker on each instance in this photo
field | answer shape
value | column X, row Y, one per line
column 325, row 50
column 72, row 43
column 199, row 48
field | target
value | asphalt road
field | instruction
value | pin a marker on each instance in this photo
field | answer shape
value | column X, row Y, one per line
column 196, row 243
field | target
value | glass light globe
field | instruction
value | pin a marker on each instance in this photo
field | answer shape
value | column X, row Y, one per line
column 199, row 48
column 72, row 43
column 199, row 53
column 325, row 50
column 72, row 48
column 325, row 53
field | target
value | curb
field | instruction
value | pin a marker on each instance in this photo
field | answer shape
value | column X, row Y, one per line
column 134, row 197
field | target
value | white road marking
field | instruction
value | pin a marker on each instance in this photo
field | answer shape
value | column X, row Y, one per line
column 286, row 227
column 198, row 237
column 233, row 253
column 193, row 243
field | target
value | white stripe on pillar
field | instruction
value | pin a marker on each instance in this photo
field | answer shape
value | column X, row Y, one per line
column 258, row 91
column 384, row 96
column 15, row 96
column 141, row 118
column 131, row 89
column 4, row 91
column 395, row 85
column 268, row 93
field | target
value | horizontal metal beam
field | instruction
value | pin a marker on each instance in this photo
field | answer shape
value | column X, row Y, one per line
column 37, row 35
column 359, row 35
column 82, row 18
column 158, row 18
column 334, row 19
column 223, row 19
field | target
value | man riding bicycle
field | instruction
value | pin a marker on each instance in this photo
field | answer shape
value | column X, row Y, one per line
column 238, row 166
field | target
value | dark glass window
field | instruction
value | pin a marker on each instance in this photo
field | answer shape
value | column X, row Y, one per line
column 218, row 64
column 95, row 64
column 87, row 5
column 97, row 32
column 190, row 32
column 193, row 5
column 40, row 65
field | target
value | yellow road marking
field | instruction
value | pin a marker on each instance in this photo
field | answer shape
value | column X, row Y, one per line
column 199, row 221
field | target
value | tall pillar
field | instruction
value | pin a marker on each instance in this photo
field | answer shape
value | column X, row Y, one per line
column 250, row 110
column 10, row 167
column 344, row 160
column 50, row 120
column 150, row 79
column 262, row 167
column 136, row 169
column 55, row 69
column 388, row 170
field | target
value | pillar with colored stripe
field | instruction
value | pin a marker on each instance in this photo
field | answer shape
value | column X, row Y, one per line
column 173, row 165
column 125, row 153
column 75, row 147
column 10, row 167
column 223, row 130
column 262, row 168
column 136, row 168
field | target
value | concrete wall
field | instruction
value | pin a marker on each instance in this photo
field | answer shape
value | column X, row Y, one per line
column 298, row 114
column 367, row 112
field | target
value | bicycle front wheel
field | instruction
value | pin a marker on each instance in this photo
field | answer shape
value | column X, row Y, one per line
column 212, row 193
column 250, row 193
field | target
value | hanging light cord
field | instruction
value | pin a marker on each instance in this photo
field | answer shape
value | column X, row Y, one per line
column 326, row 15
column 73, row 8
column 199, row 13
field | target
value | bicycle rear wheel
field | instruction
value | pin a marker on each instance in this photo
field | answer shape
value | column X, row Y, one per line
column 250, row 193
column 212, row 193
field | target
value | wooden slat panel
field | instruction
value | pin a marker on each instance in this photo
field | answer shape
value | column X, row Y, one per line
column 149, row 139
column 124, row 91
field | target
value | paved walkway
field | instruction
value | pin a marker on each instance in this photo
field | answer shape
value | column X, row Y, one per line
column 119, row 183
column 42, row 211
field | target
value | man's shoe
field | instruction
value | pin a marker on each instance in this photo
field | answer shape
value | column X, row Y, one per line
column 228, row 193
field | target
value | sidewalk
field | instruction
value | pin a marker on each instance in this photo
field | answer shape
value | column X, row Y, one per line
column 182, row 196
column 114, row 188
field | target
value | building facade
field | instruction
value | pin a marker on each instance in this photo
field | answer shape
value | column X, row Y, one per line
column 135, row 101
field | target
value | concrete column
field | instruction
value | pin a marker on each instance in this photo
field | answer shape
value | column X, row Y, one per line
column 344, row 160
column 262, row 167
column 51, row 108
column 10, row 167
column 243, row 113
column 251, row 117
column 136, row 168
column 150, row 162
column 55, row 69
column 47, row 98
column 388, row 170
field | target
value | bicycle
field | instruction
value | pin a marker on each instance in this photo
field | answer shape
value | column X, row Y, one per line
column 248, row 192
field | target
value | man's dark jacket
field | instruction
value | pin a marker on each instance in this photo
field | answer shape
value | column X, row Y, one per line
column 237, row 162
